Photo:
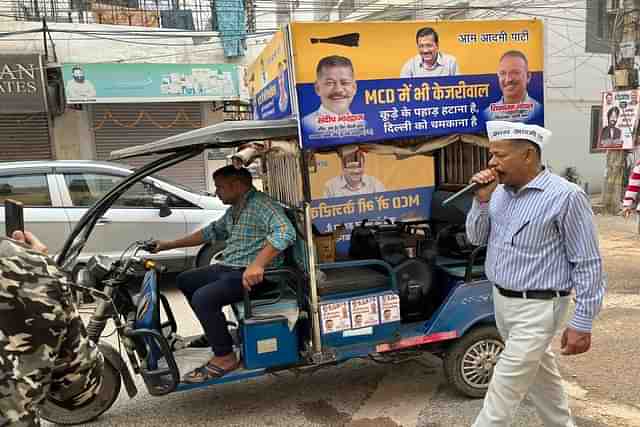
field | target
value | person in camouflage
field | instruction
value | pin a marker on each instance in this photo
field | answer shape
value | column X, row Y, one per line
column 44, row 349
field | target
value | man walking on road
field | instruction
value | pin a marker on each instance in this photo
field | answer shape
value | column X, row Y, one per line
column 541, row 244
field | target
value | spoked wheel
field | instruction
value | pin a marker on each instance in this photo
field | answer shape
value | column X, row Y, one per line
column 52, row 411
column 470, row 361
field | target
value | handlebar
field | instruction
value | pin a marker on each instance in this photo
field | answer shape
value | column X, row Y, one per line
column 145, row 245
column 148, row 245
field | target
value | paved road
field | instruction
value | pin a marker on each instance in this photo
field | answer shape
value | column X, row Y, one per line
column 364, row 394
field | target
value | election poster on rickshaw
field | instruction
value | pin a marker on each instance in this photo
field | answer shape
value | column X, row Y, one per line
column 364, row 312
column 369, row 81
column 335, row 317
column 619, row 119
column 267, row 81
column 389, row 308
column 354, row 183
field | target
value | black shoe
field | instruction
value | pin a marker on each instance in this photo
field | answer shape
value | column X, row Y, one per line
column 200, row 342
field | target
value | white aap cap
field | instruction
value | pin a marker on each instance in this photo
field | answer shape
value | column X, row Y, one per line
column 498, row 130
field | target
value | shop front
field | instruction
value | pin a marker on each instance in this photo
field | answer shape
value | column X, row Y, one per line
column 133, row 104
column 24, row 120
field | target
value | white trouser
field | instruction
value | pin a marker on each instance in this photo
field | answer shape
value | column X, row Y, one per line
column 527, row 364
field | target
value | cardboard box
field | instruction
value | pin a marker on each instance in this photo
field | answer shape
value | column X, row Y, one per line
column 326, row 244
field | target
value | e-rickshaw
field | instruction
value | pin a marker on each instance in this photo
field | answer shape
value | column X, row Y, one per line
column 427, row 302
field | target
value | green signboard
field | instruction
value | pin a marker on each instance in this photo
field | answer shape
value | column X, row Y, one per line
column 112, row 83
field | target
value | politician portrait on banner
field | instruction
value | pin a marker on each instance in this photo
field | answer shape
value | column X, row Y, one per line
column 355, row 184
column 429, row 84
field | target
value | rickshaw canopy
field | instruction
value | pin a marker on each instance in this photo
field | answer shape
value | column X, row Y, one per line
column 220, row 135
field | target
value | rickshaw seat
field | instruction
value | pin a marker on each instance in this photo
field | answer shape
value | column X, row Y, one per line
column 466, row 269
column 286, row 306
column 350, row 279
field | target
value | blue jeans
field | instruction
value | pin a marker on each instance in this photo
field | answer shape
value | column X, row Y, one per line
column 208, row 289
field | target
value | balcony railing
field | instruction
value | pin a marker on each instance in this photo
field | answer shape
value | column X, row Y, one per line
column 190, row 15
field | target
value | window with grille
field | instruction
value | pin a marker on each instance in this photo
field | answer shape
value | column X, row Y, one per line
column 458, row 162
column 601, row 16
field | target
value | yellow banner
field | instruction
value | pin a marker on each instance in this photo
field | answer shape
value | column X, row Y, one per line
column 358, row 173
column 271, row 62
column 382, row 50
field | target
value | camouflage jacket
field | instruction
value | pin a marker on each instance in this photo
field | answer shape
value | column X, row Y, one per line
column 44, row 349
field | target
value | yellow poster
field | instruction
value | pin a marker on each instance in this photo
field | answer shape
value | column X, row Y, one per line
column 361, row 82
column 267, row 81
column 361, row 172
column 354, row 184
column 380, row 50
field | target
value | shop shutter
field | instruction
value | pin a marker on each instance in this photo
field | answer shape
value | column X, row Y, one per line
column 118, row 126
column 24, row 137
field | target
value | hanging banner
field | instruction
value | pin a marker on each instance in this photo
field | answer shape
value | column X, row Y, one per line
column 268, row 81
column 619, row 119
column 359, row 82
column 134, row 83
column 353, row 185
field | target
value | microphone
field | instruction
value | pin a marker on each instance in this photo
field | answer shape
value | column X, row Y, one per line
column 469, row 188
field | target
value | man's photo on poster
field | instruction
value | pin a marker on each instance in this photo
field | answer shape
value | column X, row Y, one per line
column 336, row 88
column 515, row 105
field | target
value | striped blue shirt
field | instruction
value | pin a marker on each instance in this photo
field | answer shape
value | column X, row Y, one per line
column 542, row 237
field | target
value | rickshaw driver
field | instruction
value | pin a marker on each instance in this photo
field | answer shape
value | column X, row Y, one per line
column 257, row 231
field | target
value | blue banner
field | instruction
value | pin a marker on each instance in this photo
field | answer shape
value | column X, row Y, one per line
column 411, row 204
column 412, row 107
column 274, row 100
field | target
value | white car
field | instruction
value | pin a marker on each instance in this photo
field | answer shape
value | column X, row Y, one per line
column 57, row 193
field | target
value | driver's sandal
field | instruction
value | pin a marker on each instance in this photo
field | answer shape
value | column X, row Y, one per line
column 207, row 372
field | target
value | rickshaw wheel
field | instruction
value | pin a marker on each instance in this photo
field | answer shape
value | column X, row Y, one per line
column 469, row 362
column 109, row 391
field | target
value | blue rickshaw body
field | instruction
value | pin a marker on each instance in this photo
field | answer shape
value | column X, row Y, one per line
column 268, row 343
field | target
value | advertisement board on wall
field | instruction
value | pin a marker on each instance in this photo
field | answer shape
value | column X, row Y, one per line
column 359, row 82
column 114, row 83
column 22, row 84
column 619, row 119
column 268, row 81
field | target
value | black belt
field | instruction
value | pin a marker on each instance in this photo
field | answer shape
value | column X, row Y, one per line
column 544, row 294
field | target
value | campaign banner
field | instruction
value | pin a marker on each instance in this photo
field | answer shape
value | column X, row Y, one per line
column 429, row 83
column 619, row 120
column 350, row 186
column 268, row 81
column 134, row 83
column 273, row 101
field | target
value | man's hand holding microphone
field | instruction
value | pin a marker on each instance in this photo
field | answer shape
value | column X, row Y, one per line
column 481, row 184
column 488, row 181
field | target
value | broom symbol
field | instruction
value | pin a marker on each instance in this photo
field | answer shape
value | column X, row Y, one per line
column 350, row 40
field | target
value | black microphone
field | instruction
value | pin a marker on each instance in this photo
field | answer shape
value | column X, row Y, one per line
column 469, row 188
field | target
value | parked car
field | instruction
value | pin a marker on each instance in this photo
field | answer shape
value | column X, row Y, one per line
column 57, row 193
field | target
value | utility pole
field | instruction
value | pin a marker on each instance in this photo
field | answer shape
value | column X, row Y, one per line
column 625, row 78
column 44, row 36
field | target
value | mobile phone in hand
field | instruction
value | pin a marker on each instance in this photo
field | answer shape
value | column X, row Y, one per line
column 13, row 216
